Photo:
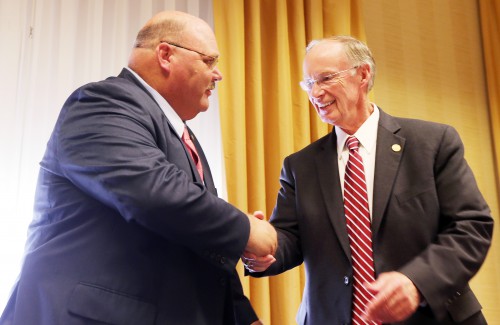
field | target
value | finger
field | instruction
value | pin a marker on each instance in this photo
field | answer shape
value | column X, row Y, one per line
column 390, row 310
column 249, row 266
column 393, row 302
column 382, row 290
column 248, row 255
column 261, row 264
column 377, row 308
column 261, row 268
column 383, row 281
column 259, row 215
column 260, row 258
column 263, row 261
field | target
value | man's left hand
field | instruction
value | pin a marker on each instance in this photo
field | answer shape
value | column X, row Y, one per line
column 396, row 298
column 254, row 263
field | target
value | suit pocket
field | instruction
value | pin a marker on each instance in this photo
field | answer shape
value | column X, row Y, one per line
column 414, row 193
column 108, row 306
column 462, row 306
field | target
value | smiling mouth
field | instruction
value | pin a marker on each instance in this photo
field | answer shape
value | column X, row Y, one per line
column 323, row 105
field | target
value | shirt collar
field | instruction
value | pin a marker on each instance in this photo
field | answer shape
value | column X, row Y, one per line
column 169, row 112
column 366, row 134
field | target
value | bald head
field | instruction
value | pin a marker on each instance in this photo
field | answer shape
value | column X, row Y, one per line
column 174, row 27
column 168, row 25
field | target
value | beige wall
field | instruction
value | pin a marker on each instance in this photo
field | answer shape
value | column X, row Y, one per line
column 430, row 66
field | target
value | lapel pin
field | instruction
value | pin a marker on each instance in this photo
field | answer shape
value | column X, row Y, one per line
column 396, row 148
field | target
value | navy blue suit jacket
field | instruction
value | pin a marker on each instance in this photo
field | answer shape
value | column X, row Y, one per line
column 124, row 231
column 429, row 222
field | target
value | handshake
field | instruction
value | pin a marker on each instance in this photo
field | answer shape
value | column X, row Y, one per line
column 262, row 244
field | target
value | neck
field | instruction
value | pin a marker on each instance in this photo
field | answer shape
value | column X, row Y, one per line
column 361, row 115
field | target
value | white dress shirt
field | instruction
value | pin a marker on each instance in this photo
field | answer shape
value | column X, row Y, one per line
column 172, row 116
column 367, row 136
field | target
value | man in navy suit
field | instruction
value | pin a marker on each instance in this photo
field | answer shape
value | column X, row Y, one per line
column 430, row 226
column 125, row 228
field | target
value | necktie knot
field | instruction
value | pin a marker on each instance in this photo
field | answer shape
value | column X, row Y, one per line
column 352, row 143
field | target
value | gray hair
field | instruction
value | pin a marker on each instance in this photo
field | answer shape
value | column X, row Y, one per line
column 357, row 52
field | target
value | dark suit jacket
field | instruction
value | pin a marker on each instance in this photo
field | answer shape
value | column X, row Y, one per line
column 124, row 232
column 430, row 222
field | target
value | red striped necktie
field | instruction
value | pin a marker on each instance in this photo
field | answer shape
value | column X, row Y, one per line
column 186, row 138
column 358, row 222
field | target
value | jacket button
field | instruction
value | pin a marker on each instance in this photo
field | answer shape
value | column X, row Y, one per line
column 222, row 281
column 346, row 280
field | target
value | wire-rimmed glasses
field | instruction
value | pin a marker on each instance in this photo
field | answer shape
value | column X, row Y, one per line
column 210, row 61
column 323, row 80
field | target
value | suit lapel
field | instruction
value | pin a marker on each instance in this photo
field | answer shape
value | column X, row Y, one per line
column 329, row 183
column 387, row 160
column 390, row 148
column 209, row 183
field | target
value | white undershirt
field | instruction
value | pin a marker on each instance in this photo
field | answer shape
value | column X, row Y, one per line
column 367, row 136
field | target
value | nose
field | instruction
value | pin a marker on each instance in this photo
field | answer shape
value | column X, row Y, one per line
column 217, row 74
column 315, row 91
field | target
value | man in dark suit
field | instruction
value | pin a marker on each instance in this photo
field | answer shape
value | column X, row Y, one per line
column 126, row 229
column 430, row 226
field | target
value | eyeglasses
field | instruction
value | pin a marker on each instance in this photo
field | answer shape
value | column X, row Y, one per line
column 323, row 80
column 210, row 61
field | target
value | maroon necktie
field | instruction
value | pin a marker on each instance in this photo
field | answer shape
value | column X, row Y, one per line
column 358, row 222
column 186, row 138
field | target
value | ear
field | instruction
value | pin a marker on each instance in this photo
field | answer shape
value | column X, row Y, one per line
column 164, row 55
column 365, row 73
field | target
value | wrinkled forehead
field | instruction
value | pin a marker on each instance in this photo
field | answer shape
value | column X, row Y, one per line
column 325, row 56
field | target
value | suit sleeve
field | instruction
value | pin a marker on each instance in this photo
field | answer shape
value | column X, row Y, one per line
column 107, row 145
column 243, row 310
column 445, row 267
column 284, row 219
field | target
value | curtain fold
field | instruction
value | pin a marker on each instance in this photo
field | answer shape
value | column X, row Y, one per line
column 489, row 13
column 265, row 116
column 490, row 27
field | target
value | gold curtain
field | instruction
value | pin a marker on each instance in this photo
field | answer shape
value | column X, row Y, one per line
column 490, row 27
column 430, row 66
column 265, row 116
column 489, row 13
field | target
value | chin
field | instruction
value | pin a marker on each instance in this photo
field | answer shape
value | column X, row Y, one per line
column 204, row 104
column 204, row 107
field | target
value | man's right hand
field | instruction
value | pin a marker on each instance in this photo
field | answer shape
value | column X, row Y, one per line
column 263, row 239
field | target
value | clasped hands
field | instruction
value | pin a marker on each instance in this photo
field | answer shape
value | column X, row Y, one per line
column 262, row 244
column 395, row 297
